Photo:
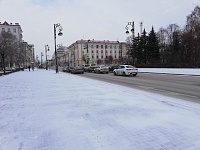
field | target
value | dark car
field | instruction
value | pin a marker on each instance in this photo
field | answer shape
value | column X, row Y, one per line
column 111, row 68
column 77, row 69
column 65, row 68
column 69, row 69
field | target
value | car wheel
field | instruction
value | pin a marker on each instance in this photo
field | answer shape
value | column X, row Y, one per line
column 114, row 73
column 134, row 75
column 123, row 74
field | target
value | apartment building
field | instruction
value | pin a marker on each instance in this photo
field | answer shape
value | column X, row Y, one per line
column 93, row 51
column 23, row 53
column 15, row 29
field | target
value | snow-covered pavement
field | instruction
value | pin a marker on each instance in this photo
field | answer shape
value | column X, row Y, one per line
column 42, row 110
column 178, row 71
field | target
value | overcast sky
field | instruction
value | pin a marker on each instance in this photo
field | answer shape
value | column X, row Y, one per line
column 90, row 19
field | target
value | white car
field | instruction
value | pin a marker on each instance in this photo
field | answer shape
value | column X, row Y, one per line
column 126, row 70
column 101, row 69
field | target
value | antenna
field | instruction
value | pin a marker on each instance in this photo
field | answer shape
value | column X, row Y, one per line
column 141, row 26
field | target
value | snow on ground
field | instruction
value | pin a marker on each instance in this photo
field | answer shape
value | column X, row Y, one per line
column 183, row 71
column 42, row 110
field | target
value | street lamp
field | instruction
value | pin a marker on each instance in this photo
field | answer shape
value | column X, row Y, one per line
column 59, row 34
column 87, row 59
column 133, row 36
column 132, row 30
column 41, row 59
column 46, row 49
column 37, row 58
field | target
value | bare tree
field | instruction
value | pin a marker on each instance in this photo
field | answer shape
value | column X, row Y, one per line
column 6, row 51
column 191, row 37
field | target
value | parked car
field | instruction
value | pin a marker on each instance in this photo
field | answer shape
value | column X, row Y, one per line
column 113, row 67
column 101, row 69
column 92, row 67
column 126, row 70
column 86, row 67
column 10, row 69
column 65, row 68
column 77, row 69
column 69, row 69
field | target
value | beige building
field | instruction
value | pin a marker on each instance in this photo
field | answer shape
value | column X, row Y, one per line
column 92, row 51
column 14, row 28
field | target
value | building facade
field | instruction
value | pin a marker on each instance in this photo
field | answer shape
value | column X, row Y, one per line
column 15, row 29
column 21, row 53
column 92, row 51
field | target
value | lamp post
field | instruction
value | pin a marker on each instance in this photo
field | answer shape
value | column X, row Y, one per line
column 58, row 47
column 59, row 34
column 37, row 58
column 41, row 59
column 46, row 49
column 133, row 36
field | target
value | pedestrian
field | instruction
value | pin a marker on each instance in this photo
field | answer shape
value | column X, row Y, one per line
column 29, row 67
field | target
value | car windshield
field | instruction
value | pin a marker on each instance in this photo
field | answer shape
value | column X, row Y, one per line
column 129, row 66
column 93, row 64
column 103, row 66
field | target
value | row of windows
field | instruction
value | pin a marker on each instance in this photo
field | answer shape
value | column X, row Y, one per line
column 101, row 51
column 97, row 57
column 106, row 46
column 8, row 30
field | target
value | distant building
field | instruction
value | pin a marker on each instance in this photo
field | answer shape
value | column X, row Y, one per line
column 23, row 53
column 92, row 51
column 15, row 29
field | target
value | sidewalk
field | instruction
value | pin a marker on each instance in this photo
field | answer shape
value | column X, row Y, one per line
column 42, row 110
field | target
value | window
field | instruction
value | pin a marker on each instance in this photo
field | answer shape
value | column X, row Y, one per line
column 110, row 51
column 92, row 56
column 97, row 51
column 92, row 51
column 106, row 51
column 97, row 56
column 97, row 46
column 110, row 46
column 115, row 56
column 106, row 46
column 14, row 30
column 8, row 29
column 92, row 46
column 101, row 46
column 115, row 51
column 101, row 51
column 102, row 57
column 3, row 29
column 115, row 47
column 87, row 50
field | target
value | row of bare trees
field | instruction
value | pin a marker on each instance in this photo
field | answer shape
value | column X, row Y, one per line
column 11, row 51
column 181, row 47
column 169, row 47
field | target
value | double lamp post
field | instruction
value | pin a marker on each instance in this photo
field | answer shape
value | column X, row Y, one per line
column 46, row 49
column 59, row 34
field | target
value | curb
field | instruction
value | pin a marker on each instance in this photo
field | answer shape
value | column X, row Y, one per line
column 171, row 73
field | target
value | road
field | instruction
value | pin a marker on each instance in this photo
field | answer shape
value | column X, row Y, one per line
column 177, row 86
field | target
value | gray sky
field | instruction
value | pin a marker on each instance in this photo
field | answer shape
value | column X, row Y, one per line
column 90, row 19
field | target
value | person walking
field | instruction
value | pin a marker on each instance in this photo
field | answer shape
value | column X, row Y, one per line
column 29, row 67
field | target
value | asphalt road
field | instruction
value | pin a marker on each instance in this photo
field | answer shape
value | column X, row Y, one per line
column 177, row 86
